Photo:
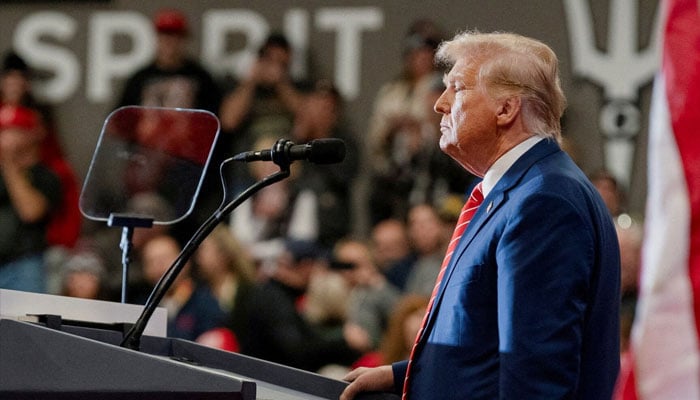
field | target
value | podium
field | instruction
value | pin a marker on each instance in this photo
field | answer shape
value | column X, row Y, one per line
column 15, row 304
column 52, row 360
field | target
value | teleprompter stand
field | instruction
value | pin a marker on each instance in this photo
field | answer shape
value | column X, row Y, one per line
column 128, row 224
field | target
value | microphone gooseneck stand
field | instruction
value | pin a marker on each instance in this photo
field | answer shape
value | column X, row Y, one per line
column 280, row 156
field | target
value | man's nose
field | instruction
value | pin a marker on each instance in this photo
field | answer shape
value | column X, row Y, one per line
column 441, row 104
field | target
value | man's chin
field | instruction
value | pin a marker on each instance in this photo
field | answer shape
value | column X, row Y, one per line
column 446, row 145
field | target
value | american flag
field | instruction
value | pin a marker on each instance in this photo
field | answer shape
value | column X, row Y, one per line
column 664, row 361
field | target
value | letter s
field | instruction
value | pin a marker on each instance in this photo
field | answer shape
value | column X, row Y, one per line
column 43, row 55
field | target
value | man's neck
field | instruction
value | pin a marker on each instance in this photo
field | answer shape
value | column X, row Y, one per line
column 503, row 163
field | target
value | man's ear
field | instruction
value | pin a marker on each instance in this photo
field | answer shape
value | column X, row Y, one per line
column 508, row 110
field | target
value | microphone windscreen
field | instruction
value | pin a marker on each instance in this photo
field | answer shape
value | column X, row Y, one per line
column 327, row 151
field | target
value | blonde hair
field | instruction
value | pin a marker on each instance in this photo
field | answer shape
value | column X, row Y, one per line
column 238, row 259
column 514, row 65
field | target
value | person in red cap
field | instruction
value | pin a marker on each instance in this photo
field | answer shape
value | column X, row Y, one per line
column 16, row 90
column 28, row 193
column 174, row 79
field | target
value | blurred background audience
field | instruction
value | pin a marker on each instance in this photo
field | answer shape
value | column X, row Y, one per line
column 395, row 139
column 265, row 101
column 192, row 308
column 320, row 117
column 282, row 332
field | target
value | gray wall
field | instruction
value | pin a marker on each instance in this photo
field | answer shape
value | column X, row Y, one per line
column 84, row 48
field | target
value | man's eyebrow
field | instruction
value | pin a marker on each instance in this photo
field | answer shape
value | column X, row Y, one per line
column 454, row 77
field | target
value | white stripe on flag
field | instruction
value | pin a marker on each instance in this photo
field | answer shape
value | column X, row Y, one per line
column 664, row 337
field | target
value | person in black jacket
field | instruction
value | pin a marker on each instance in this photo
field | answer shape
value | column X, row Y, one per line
column 173, row 79
column 320, row 117
column 29, row 191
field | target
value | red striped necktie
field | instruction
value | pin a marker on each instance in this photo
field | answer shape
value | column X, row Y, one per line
column 468, row 211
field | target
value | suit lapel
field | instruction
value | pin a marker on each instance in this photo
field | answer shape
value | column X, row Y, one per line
column 492, row 203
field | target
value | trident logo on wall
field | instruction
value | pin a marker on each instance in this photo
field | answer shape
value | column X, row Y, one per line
column 621, row 72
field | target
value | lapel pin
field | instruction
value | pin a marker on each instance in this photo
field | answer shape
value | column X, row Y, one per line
column 488, row 208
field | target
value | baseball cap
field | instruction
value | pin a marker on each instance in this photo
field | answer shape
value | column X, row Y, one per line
column 305, row 250
column 171, row 21
column 13, row 62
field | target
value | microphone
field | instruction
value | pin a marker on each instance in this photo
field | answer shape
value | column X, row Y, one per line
column 319, row 151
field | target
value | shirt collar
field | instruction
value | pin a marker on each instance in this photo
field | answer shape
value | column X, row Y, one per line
column 499, row 168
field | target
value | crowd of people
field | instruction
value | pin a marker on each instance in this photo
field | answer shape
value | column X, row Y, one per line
column 286, row 278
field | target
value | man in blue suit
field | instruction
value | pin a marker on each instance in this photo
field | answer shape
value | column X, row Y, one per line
column 528, row 304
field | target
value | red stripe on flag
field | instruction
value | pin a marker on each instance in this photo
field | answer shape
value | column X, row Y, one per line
column 681, row 67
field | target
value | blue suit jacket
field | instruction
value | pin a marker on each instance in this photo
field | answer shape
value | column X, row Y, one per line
column 528, row 308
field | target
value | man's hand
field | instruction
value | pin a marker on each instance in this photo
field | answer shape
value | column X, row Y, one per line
column 380, row 379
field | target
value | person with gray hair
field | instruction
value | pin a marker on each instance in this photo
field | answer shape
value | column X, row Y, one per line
column 526, row 305
column 83, row 275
